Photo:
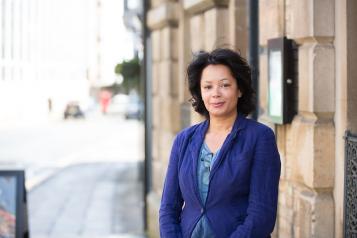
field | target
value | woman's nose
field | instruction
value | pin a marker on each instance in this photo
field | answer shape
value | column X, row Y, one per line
column 216, row 92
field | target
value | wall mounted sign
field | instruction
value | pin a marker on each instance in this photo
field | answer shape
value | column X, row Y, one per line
column 282, row 77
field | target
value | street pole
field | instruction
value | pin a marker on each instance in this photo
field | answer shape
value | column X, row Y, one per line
column 253, row 59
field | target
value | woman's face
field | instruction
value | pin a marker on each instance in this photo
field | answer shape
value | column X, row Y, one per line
column 219, row 91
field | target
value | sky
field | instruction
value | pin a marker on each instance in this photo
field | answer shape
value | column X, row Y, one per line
column 117, row 44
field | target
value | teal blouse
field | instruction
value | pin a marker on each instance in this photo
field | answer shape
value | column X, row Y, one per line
column 205, row 162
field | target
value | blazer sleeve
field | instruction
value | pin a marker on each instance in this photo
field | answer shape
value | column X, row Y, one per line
column 171, row 201
column 264, row 186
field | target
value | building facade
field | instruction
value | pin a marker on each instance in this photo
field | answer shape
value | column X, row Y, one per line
column 312, row 146
column 46, row 51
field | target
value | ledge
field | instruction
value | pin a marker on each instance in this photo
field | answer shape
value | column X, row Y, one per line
column 164, row 15
column 197, row 6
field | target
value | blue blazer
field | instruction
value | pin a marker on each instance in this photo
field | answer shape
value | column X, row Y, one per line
column 243, row 191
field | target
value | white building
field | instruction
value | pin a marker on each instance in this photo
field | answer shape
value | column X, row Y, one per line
column 47, row 49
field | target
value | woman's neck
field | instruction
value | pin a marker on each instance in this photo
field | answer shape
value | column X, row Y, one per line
column 221, row 124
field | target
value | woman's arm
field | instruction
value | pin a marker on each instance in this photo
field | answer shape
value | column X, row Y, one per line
column 263, row 197
column 171, row 201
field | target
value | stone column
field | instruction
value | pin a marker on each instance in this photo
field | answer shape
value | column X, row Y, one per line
column 309, row 141
column 306, row 146
column 163, row 24
column 346, row 100
column 209, row 29
column 238, row 25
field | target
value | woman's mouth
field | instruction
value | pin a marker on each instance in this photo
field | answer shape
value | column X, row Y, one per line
column 218, row 104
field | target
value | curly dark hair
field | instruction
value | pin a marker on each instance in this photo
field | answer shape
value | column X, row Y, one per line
column 240, row 71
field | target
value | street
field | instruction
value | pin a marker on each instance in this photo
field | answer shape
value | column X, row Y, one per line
column 83, row 176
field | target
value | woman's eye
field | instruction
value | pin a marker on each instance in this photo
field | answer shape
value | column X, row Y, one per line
column 226, row 85
column 207, row 87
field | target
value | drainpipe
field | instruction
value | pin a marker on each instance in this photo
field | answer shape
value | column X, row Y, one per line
column 253, row 55
column 147, row 112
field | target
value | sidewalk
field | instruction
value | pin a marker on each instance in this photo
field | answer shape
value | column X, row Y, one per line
column 90, row 200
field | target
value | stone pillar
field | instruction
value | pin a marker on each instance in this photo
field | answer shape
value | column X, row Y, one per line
column 209, row 29
column 238, row 25
column 346, row 85
column 307, row 148
column 163, row 24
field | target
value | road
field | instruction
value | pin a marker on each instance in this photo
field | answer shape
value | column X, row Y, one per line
column 83, row 176
column 40, row 149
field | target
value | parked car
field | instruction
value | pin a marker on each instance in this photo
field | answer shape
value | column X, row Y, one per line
column 134, row 109
column 118, row 104
column 73, row 110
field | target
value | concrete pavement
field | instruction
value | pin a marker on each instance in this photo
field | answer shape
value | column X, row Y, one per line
column 89, row 200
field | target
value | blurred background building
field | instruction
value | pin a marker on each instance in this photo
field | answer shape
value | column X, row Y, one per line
column 55, row 52
column 45, row 57
column 312, row 146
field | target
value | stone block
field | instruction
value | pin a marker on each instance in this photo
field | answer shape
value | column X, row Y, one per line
column 156, row 3
column 165, row 14
column 156, row 45
column 155, row 78
column 324, row 78
column 156, row 107
column 166, row 141
column 316, row 78
column 312, row 160
column 324, row 216
column 169, row 43
column 199, row 6
column 166, row 115
column 281, row 143
column 197, row 32
column 304, row 211
column 176, row 116
column 324, row 152
column 168, row 78
column 165, row 77
column 314, row 214
column 238, row 25
column 285, row 227
column 195, row 117
column 153, row 202
column 174, row 82
column 155, row 144
column 184, row 56
column 271, row 20
column 285, row 209
column 216, row 28
column 158, row 176
column 310, row 19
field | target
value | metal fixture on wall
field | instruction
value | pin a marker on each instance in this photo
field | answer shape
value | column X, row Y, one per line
column 350, row 200
column 282, row 80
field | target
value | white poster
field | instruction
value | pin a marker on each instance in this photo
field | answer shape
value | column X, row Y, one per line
column 275, row 84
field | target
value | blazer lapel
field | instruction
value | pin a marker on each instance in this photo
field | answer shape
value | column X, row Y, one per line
column 239, row 124
column 194, row 148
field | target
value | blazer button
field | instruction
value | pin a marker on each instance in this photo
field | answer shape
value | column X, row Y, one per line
column 202, row 210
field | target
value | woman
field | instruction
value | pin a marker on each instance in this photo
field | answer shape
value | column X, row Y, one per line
column 223, row 174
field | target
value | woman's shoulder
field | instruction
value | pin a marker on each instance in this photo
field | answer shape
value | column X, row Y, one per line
column 258, row 128
column 189, row 131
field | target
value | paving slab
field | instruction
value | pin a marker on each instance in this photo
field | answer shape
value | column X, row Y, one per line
column 89, row 200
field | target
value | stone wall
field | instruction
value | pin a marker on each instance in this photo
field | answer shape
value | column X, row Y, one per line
column 310, row 200
column 307, row 147
column 163, row 23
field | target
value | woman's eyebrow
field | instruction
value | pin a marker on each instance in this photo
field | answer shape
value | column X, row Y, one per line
column 210, row 81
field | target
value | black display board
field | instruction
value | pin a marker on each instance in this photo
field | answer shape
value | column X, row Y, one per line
column 13, row 204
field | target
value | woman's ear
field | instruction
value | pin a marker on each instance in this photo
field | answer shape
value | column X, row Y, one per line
column 239, row 94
